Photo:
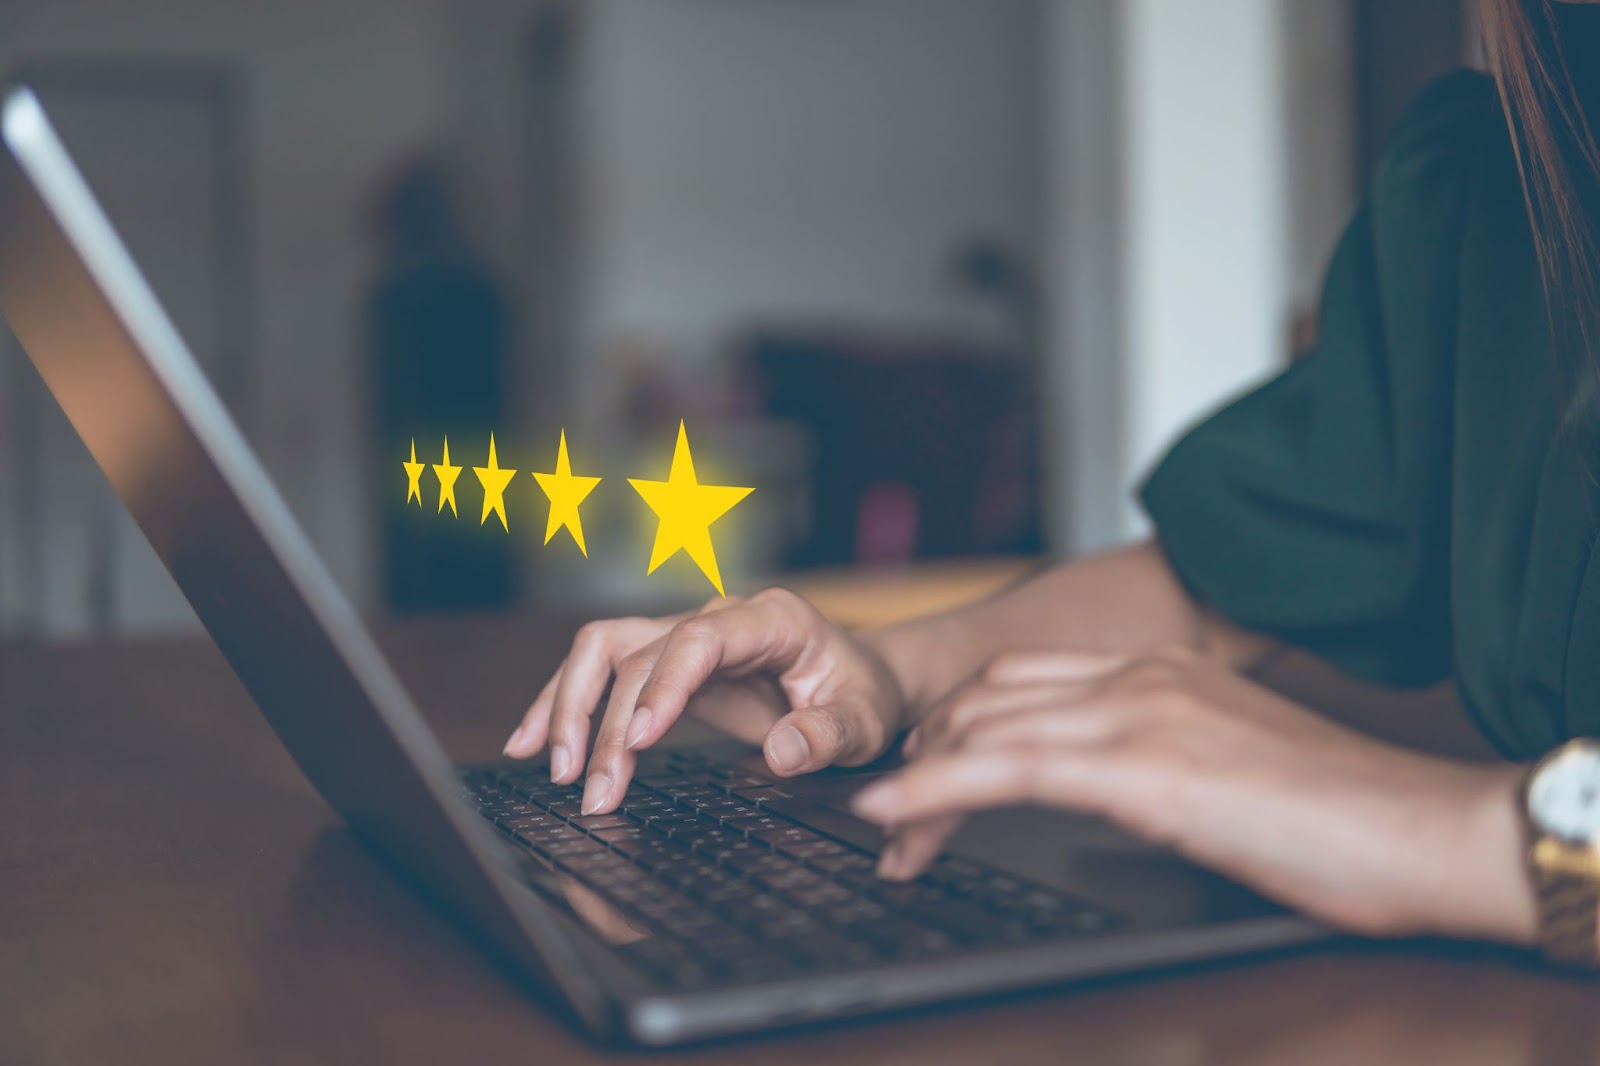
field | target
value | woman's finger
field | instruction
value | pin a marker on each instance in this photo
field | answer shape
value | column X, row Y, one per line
column 612, row 761
column 1083, row 779
column 803, row 741
column 596, row 650
column 674, row 668
column 958, row 713
column 763, row 632
column 1044, row 722
column 1038, row 667
column 913, row 847
column 534, row 728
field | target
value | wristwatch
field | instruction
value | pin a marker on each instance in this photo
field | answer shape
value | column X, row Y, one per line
column 1561, row 805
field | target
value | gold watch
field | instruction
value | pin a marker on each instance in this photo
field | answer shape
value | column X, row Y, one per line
column 1561, row 805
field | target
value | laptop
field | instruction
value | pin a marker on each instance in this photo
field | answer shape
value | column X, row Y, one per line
column 716, row 900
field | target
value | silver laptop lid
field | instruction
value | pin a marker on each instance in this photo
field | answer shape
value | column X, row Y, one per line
column 93, row 328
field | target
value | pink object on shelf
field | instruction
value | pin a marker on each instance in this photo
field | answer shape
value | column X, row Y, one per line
column 886, row 524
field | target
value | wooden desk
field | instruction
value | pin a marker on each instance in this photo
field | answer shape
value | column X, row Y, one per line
column 171, row 891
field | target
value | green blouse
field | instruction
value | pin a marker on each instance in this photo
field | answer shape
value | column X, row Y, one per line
column 1416, row 498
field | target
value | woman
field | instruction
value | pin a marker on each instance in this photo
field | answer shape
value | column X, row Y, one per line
column 1415, row 500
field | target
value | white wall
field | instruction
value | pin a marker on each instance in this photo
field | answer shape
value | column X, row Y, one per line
column 769, row 157
column 1205, row 271
column 1188, row 229
column 335, row 94
column 1084, row 467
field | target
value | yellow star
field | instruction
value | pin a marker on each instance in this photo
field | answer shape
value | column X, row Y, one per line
column 686, row 510
column 447, row 475
column 494, row 480
column 414, row 471
column 566, row 491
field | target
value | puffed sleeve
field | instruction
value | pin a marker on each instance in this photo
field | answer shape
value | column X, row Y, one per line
column 1316, row 508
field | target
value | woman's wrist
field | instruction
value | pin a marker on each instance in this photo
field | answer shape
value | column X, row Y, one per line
column 1478, row 864
column 918, row 655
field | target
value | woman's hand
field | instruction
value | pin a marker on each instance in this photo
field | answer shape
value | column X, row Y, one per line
column 834, row 700
column 1186, row 753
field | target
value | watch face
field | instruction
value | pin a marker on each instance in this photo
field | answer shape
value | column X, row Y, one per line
column 1564, row 797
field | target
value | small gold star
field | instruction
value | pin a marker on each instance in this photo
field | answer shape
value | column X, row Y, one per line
column 414, row 471
column 686, row 510
column 565, row 491
column 447, row 475
column 494, row 480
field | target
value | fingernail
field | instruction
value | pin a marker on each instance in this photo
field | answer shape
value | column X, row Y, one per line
column 787, row 749
column 642, row 719
column 513, row 742
column 560, row 763
column 876, row 802
column 595, row 792
column 913, row 738
column 892, row 862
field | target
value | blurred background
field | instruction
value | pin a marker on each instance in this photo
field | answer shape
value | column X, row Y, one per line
column 939, row 277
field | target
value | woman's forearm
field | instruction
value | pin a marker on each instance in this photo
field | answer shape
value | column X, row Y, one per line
column 1124, row 601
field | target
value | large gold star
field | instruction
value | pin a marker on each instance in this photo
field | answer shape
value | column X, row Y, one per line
column 494, row 480
column 686, row 510
column 566, row 491
column 414, row 471
column 447, row 475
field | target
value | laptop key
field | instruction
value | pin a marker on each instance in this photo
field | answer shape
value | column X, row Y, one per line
column 592, row 822
column 973, row 924
column 710, row 835
column 665, row 816
column 754, row 910
column 691, row 926
column 1083, row 920
column 607, row 871
column 821, row 894
column 858, row 910
column 651, row 854
column 682, row 834
column 549, row 834
column 907, row 893
column 761, row 823
column 902, row 938
column 789, row 881
column 666, row 962
column 620, row 836
column 736, row 780
column 864, row 881
column 688, row 787
column 729, row 810
column 592, row 865
column 723, row 943
column 791, row 925
column 834, row 863
column 514, row 823
column 678, row 871
column 787, row 834
column 665, row 903
column 580, row 846
column 759, row 795
column 826, row 949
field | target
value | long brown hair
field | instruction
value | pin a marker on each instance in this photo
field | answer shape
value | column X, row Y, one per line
column 1558, row 162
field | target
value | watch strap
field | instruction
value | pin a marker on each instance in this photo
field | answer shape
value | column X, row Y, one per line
column 1569, row 906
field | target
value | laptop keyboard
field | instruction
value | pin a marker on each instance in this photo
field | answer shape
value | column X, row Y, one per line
column 729, row 889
